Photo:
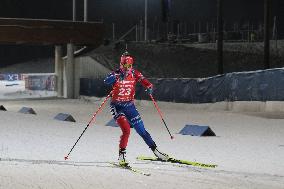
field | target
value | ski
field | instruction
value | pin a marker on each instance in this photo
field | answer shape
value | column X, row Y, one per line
column 178, row 161
column 128, row 167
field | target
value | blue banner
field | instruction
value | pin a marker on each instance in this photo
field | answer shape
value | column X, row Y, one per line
column 11, row 77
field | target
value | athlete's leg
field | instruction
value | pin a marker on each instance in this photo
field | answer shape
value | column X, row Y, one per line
column 125, row 128
column 135, row 120
column 123, row 123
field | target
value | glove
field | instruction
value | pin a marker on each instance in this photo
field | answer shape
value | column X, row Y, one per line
column 149, row 90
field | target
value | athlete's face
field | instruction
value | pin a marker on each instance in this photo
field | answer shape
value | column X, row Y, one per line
column 127, row 63
column 127, row 66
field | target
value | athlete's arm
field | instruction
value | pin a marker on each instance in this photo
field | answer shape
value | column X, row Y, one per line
column 144, row 81
column 111, row 78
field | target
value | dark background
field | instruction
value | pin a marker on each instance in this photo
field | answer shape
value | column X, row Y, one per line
column 126, row 13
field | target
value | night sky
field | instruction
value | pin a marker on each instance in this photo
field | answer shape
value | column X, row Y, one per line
column 126, row 13
column 62, row 9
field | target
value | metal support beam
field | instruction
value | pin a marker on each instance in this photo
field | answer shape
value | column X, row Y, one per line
column 146, row 20
column 74, row 10
column 85, row 10
column 266, row 34
column 220, row 37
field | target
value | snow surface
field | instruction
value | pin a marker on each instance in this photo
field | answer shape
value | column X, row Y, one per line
column 249, row 149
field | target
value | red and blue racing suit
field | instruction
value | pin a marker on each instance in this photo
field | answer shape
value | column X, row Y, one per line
column 122, row 104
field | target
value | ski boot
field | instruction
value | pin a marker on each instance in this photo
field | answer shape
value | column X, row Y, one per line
column 160, row 155
column 122, row 155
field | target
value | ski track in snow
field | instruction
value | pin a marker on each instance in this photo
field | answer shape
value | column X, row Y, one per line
column 247, row 148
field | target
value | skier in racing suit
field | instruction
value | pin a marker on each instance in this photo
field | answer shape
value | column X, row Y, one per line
column 122, row 105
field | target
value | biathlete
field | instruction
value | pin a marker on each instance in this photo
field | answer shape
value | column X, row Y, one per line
column 122, row 107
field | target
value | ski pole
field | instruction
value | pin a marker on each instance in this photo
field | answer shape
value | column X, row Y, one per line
column 66, row 157
column 159, row 111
